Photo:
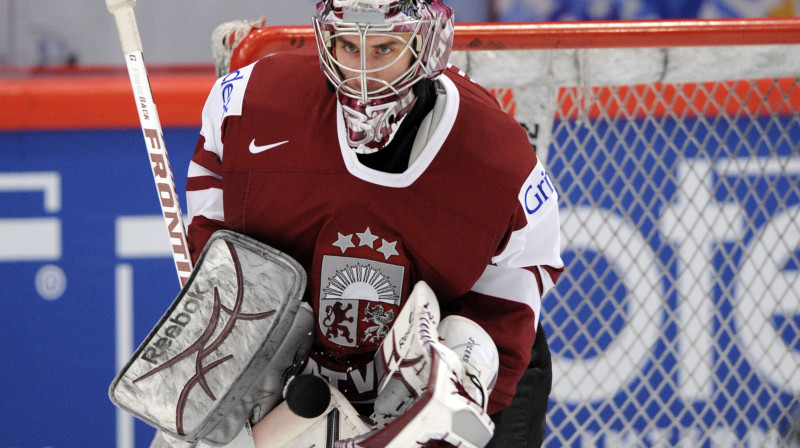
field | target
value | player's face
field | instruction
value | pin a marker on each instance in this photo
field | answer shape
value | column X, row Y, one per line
column 385, row 54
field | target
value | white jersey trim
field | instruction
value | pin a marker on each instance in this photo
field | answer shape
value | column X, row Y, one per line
column 196, row 170
column 206, row 203
column 418, row 166
column 225, row 99
column 517, row 285
column 539, row 242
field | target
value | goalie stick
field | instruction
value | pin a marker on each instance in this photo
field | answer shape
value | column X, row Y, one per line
column 153, row 134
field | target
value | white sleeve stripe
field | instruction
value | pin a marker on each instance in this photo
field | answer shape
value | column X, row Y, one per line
column 517, row 285
column 206, row 203
column 547, row 280
column 196, row 170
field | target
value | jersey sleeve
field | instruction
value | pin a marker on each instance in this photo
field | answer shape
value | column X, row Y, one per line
column 204, row 183
column 204, row 198
column 506, row 300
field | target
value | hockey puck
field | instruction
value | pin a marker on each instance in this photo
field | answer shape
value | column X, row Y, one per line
column 308, row 396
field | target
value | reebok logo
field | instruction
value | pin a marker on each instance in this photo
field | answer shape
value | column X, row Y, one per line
column 255, row 149
column 202, row 347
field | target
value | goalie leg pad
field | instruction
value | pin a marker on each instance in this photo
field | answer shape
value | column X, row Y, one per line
column 222, row 346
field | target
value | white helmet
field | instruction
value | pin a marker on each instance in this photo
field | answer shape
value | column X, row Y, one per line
column 373, row 114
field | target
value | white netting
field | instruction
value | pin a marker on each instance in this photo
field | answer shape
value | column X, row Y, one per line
column 226, row 37
column 677, row 320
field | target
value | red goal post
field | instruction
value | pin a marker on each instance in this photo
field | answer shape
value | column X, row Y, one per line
column 675, row 147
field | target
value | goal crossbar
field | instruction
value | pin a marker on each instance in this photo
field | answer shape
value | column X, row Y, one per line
column 595, row 34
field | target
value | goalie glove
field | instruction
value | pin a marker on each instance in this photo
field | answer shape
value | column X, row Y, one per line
column 426, row 396
column 478, row 355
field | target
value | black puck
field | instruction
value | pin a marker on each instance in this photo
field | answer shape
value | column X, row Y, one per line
column 308, row 396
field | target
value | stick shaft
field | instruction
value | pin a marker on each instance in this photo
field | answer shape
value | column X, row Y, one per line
column 153, row 135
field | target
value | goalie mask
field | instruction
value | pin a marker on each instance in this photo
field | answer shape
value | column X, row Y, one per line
column 418, row 33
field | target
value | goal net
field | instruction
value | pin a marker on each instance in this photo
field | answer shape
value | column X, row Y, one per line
column 675, row 147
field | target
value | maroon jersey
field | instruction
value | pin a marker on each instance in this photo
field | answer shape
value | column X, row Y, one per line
column 474, row 215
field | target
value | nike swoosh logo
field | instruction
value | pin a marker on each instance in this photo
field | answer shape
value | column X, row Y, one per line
column 255, row 149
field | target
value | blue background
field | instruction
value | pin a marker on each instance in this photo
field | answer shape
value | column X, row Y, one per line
column 58, row 355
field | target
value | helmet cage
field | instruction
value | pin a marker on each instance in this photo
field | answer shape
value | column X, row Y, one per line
column 327, row 33
column 373, row 108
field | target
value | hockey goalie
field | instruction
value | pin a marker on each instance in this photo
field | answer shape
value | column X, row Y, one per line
column 373, row 241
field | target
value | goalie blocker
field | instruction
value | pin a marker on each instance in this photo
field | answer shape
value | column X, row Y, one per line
column 221, row 354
